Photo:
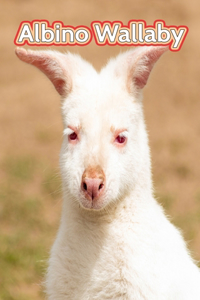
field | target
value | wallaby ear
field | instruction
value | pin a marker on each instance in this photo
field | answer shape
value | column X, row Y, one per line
column 52, row 64
column 140, row 63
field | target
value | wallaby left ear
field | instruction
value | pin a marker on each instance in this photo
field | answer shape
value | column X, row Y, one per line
column 54, row 65
column 140, row 63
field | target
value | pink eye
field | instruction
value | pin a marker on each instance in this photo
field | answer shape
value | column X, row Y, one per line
column 73, row 136
column 120, row 139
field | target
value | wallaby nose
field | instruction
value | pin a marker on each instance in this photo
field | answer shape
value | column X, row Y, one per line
column 92, row 187
column 93, row 183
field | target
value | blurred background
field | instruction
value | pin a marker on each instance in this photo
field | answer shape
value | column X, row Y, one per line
column 31, row 131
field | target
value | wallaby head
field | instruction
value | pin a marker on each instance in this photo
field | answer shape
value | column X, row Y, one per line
column 105, row 152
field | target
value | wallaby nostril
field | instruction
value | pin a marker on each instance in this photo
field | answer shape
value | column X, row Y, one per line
column 85, row 186
column 100, row 186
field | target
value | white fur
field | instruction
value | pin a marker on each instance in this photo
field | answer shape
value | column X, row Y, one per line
column 127, row 248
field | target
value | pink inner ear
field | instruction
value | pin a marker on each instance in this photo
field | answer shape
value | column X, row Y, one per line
column 144, row 63
column 60, row 86
column 141, row 79
column 49, row 65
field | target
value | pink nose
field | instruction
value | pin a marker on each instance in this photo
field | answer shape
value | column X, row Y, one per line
column 92, row 188
column 93, row 183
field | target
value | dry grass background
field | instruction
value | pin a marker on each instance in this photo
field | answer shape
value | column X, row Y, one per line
column 31, row 132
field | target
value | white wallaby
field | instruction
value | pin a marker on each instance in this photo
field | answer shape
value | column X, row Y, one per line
column 114, row 240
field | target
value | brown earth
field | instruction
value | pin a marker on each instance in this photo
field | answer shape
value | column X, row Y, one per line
column 30, row 122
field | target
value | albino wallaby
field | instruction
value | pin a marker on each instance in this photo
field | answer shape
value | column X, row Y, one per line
column 114, row 240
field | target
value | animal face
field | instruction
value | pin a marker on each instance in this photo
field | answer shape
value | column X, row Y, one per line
column 105, row 145
column 99, row 149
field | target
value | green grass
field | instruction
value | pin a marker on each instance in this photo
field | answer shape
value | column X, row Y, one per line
column 190, row 222
column 21, row 168
column 25, row 232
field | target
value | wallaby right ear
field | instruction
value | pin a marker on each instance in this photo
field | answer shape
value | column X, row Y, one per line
column 136, row 65
column 52, row 64
column 141, row 63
